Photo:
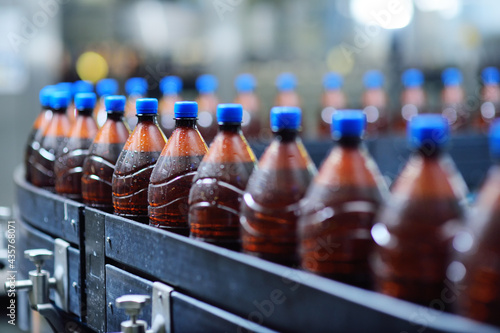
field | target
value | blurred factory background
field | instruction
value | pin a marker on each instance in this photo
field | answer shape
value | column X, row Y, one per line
column 46, row 41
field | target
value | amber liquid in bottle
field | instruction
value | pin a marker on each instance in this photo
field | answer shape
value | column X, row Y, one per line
column 100, row 163
column 453, row 107
column 33, row 144
column 54, row 134
column 173, row 175
column 218, row 188
column 251, row 123
column 207, row 120
column 271, row 203
column 68, row 167
column 134, row 167
column 479, row 296
column 490, row 106
column 338, row 214
column 417, row 225
column 376, row 107
column 413, row 100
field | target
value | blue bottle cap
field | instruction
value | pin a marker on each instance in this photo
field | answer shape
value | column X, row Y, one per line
column 229, row 113
column 206, row 84
column 65, row 86
column 107, row 87
column 245, row 83
column 186, row 109
column 285, row 117
column 490, row 75
column 136, row 86
column 431, row 130
column 495, row 139
column 348, row 123
column 286, row 82
column 451, row 76
column 115, row 103
column 373, row 79
column 171, row 85
column 82, row 87
column 332, row 81
column 85, row 100
column 60, row 99
column 146, row 106
column 412, row 78
column 45, row 94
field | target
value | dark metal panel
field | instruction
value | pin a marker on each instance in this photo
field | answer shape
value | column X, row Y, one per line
column 191, row 315
column 94, row 277
column 281, row 298
column 119, row 283
column 47, row 211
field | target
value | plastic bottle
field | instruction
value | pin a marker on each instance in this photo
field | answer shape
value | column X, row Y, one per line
column 477, row 269
column 104, row 88
column 245, row 86
column 271, row 203
column 333, row 99
column 218, row 187
column 136, row 162
column 173, row 174
column 42, row 173
column 77, row 87
column 286, row 83
column 415, row 228
column 170, row 87
column 39, row 125
column 207, row 104
column 68, row 167
column 340, row 206
column 375, row 103
column 490, row 98
column 103, row 154
column 68, row 88
column 452, row 99
column 413, row 98
column 135, row 87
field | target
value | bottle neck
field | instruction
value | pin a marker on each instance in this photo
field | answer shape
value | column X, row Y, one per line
column 286, row 135
column 230, row 127
column 185, row 122
column 85, row 112
column 148, row 117
column 59, row 110
column 117, row 116
column 349, row 141
column 429, row 151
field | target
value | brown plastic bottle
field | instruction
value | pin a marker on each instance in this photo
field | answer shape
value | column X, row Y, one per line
column 103, row 154
column 104, row 88
column 207, row 104
column 42, row 171
column 271, row 203
column 39, row 125
column 68, row 166
column 218, row 187
column 452, row 99
column 287, row 96
column 490, row 99
column 170, row 87
column 136, row 162
column 136, row 88
column 477, row 270
column 375, row 103
column 333, row 99
column 173, row 174
column 340, row 206
column 245, row 86
column 415, row 229
column 413, row 98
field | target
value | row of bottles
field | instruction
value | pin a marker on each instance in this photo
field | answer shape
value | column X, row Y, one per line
column 340, row 222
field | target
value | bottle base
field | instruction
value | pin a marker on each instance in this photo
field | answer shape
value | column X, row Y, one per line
column 175, row 230
column 227, row 244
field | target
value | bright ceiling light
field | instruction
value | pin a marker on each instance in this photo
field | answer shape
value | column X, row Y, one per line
column 388, row 14
column 447, row 8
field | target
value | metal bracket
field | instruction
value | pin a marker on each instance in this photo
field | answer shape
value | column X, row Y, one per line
column 161, row 315
column 61, row 273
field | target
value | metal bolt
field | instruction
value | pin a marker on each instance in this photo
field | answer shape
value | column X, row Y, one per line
column 108, row 240
column 75, row 285
column 110, row 306
column 73, row 223
column 160, row 296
